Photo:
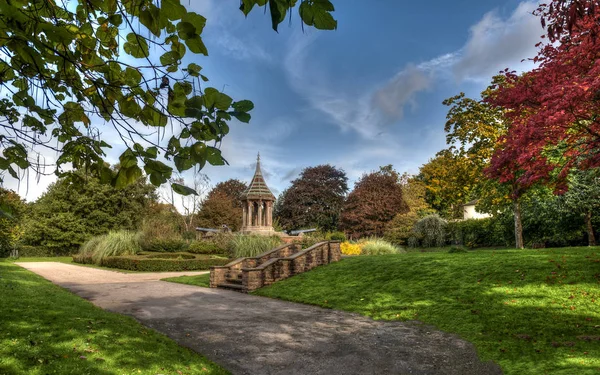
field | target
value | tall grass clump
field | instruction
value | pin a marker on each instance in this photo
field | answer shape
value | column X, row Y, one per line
column 252, row 245
column 430, row 231
column 378, row 246
column 115, row 244
column 89, row 247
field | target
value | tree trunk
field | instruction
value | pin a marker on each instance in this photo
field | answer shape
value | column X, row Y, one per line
column 590, row 229
column 518, row 225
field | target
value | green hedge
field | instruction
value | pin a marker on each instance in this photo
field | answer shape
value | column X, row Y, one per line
column 475, row 233
column 165, row 245
column 143, row 263
column 204, row 247
column 35, row 251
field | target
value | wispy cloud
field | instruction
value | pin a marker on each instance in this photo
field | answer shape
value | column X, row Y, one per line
column 494, row 44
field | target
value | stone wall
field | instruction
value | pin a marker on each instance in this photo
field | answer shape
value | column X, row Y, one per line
column 278, row 264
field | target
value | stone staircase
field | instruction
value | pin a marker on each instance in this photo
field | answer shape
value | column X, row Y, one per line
column 248, row 274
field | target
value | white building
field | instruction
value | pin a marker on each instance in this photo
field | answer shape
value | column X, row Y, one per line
column 469, row 211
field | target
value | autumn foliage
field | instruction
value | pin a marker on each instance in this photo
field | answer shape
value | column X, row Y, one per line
column 375, row 200
column 553, row 109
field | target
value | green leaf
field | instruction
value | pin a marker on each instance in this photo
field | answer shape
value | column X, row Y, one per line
column 127, row 159
column 183, row 190
column 154, row 117
column 196, row 20
column 196, row 45
column 136, row 46
column 172, row 9
column 214, row 98
column 243, row 106
column 214, row 157
column 170, row 57
column 241, row 116
column 194, row 69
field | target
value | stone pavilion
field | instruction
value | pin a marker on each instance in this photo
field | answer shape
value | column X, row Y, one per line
column 257, row 203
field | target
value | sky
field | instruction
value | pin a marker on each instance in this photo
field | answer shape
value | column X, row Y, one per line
column 365, row 95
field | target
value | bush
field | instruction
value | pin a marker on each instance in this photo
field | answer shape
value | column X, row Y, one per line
column 456, row 249
column 252, row 245
column 222, row 241
column 204, row 247
column 475, row 233
column 350, row 248
column 430, row 231
column 378, row 246
column 34, row 251
column 141, row 263
column 171, row 256
column 400, row 229
column 116, row 244
column 336, row 236
column 165, row 245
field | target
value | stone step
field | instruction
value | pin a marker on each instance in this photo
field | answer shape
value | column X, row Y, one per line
column 237, row 280
column 234, row 275
column 237, row 287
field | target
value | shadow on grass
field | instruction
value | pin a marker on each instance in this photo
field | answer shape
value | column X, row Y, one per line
column 533, row 312
column 45, row 329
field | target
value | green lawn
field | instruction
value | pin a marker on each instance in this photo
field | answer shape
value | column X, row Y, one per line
column 45, row 329
column 531, row 311
column 200, row 280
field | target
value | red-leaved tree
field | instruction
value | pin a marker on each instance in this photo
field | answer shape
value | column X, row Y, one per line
column 554, row 110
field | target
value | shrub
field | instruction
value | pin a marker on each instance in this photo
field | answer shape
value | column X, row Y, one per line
column 378, row 246
column 35, row 251
column 456, row 249
column 141, row 263
column 336, row 236
column 222, row 241
column 252, row 245
column 165, row 245
column 171, row 256
column 474, row 233
column 400, row 229
column 204, row 247
column 89, row 247
column 430, row 231
column 350, row 248
column 117, row 243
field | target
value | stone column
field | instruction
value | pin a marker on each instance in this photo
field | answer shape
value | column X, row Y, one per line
column 249, row 214
column 260, row 212
column 243, row 217
column 269, row 214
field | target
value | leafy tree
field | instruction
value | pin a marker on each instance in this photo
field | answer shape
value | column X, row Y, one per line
column 315, row 199
column 375, row 200
column 70, row 213
column 583, row 197
column 449, row 181
column 400, row 228
column 554, row 108
column 223, row 206
column 67, row 66
column 10, row 222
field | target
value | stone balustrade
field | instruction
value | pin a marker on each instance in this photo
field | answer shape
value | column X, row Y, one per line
column 275, row 265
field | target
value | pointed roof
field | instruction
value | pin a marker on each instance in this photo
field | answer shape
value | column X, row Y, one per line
column 258, row 188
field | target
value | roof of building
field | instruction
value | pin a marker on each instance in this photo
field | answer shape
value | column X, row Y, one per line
column 258, row 188
column 471, row 203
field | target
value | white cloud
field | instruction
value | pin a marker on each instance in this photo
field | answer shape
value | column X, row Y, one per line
column 495, row 43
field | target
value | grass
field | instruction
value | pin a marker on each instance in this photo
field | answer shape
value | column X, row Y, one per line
column 44, row 329
column 252, row 245
column 531, row 311
column 200, row 280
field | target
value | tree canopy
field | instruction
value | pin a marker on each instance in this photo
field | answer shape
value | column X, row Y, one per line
column 314, row 199
column 82, row 76
column 375, row 200
column 223, row 206
column 69, row 213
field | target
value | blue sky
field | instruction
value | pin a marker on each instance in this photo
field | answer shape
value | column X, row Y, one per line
column 365, row 95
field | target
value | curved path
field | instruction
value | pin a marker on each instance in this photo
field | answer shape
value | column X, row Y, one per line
column 256, row 335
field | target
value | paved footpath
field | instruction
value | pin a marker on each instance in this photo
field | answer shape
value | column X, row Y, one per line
column 256, row 335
